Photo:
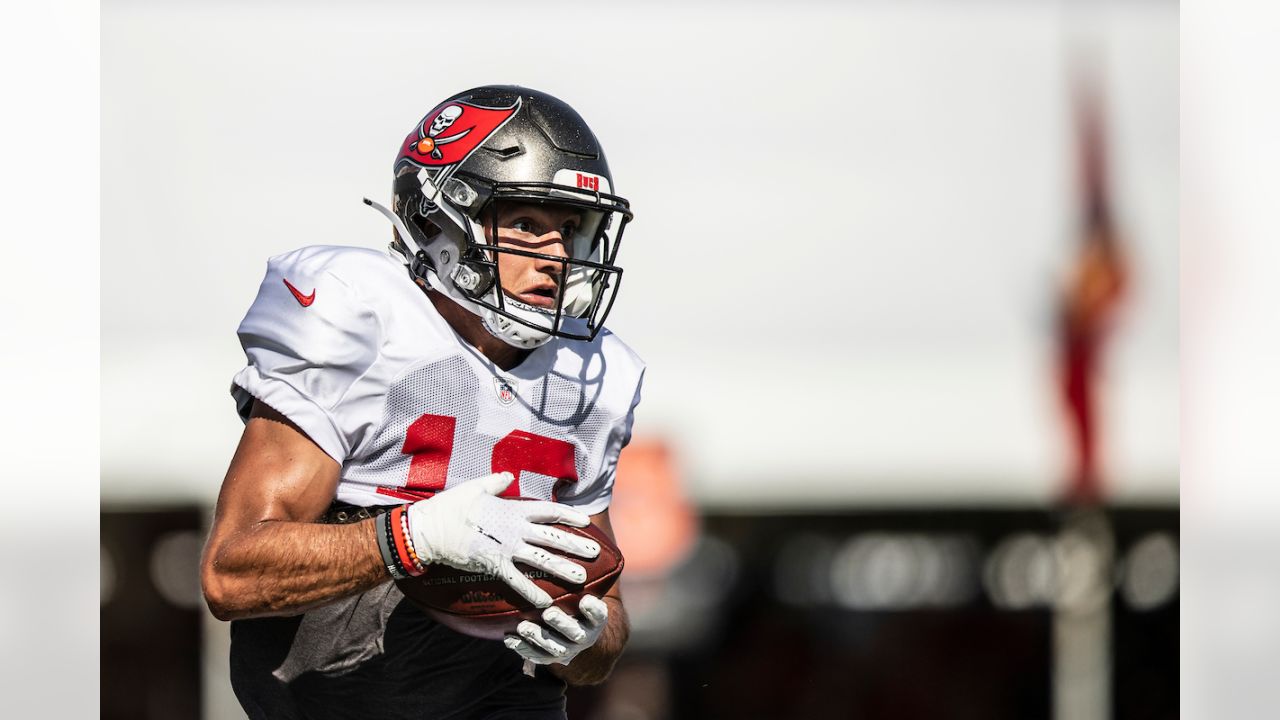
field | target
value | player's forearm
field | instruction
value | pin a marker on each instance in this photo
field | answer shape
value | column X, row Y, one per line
column 593, row 665
column 284, row 568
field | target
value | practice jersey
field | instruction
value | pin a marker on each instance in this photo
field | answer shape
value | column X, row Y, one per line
column 343, row 343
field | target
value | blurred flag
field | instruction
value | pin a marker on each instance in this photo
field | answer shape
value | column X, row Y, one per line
column 1095, row 285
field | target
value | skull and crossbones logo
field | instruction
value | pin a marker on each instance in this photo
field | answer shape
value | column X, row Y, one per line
column 442, row 121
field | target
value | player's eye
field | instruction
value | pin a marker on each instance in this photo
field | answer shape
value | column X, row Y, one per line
column 568, row 230
column 522, row 225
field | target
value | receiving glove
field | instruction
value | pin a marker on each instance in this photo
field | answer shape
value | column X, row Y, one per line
column 560, row 637
column 469, row 528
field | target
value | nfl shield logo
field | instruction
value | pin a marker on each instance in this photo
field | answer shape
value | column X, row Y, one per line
column 505, row 389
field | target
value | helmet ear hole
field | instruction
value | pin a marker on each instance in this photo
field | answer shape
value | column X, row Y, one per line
column 428, row 228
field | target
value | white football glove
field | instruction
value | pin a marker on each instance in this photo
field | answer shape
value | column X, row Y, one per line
column 468, row 528
column 560, row 637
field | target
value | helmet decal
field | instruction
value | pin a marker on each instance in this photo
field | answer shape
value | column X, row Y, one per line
column 451, row 132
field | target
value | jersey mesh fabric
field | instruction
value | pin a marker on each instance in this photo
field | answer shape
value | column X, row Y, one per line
column 552, row 406
column 567, row 407
column 447, row 388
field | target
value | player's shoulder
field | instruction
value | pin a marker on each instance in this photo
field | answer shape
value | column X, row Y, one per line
column 310, row 293
column 352, row 266
column 606, row 354
column 614, row 347
column 605, row 367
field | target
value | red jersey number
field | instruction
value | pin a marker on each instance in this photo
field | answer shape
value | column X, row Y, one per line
column 429, row 439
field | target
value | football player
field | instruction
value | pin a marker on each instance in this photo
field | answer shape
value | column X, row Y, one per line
column 396, row 405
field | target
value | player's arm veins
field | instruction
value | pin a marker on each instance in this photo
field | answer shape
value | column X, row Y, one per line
column 266, row 554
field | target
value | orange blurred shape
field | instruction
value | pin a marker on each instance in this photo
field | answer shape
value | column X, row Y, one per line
column 654, row 523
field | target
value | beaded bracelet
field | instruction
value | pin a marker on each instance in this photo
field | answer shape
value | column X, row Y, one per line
column 420, row 566
column 401, row 542
column 386, row 545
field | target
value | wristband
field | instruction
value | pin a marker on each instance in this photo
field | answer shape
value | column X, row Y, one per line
column 382, row 528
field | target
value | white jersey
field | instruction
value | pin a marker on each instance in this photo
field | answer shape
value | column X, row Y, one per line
column 342, row 342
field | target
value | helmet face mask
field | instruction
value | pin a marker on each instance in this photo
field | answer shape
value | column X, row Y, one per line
column 493, row 146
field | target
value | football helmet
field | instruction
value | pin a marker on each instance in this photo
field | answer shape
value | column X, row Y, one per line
column 506, row 143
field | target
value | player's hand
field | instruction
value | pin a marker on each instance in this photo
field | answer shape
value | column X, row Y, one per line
column 560, row 637
column 469, row 528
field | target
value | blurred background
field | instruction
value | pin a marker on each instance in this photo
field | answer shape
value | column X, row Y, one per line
column 905, row 275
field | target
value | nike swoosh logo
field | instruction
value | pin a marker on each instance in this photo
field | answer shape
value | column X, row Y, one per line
column 303, row 300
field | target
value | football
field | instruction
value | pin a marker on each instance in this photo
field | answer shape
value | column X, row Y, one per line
column 482, row 606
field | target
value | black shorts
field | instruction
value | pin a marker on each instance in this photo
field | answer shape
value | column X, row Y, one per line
column 376, row 655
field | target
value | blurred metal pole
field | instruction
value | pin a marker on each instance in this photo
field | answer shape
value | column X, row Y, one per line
column 1082, row 617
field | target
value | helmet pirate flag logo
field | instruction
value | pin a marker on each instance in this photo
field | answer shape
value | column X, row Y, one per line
column 451, row 132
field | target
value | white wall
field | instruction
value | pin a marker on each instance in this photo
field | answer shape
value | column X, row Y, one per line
column 850, row 221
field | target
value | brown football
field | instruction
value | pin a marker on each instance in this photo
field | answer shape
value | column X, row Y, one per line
column 482, row 606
